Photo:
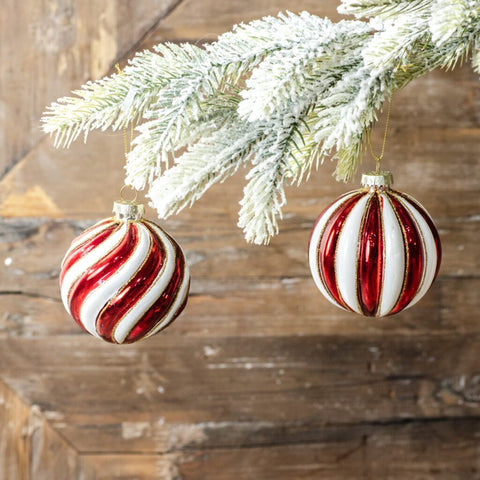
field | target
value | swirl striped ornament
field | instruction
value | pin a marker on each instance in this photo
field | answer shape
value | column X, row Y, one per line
column 374, row 251
column 124, row 279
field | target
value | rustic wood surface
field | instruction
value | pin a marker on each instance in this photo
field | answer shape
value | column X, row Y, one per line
column 260, row 378
column 30, row 448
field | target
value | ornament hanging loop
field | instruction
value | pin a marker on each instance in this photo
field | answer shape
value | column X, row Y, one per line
column 379, row 158
column 128, row 209
column 122, row 194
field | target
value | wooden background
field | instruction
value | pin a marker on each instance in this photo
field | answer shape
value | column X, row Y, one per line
column 260, row 378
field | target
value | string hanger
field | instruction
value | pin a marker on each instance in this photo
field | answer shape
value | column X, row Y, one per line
column 126, row 142
column 379, row 158
column 128, row 148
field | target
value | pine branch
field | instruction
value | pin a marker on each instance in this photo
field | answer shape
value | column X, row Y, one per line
column 423, row 34
column 196, row 170
column 381, row 9
column 264, row 194
column 113, row 102
column 169, row 118
column 305, row 70
column 249, row 44
column 281, row 93
column 455, row 29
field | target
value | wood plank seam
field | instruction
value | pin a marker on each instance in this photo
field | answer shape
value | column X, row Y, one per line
column 137, row 44
column 122, row 58
column 375, row 425
column 33, row 449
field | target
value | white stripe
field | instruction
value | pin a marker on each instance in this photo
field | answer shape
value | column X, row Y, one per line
column 430, row 251
column 408, row 198
column 315, row 240
column 85, row 237
column 180, row 298
column 393, row 259
column 87, row 261
column 346, row 257
column 157, row 288
column 98, row 298
column 93, row 231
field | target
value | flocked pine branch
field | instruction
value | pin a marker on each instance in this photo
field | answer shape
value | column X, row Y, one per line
column 279, row 94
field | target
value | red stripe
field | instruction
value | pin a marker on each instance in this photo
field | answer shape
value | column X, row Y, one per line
column 86, row 233
column 128, row 296
column 179, row 309
column 85, row 247
column 158, row 311
column 323, row 212
column 370, row 258
column 102, row 270
column 414, row 255
column 328, row 245
column 431, row 225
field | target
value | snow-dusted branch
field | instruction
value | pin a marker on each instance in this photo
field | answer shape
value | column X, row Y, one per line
column 281, row 94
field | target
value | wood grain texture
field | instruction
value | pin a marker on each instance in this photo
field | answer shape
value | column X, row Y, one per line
column 59, row 44
column 30, row 449
column 236, row 289
column 416, row 451
column 200, row 21
column 173, row 393
column 260, row 377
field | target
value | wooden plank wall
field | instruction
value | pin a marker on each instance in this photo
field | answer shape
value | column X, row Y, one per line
column 260, row 378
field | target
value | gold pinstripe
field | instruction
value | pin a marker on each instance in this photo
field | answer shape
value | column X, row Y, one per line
column 69, row 293
column 317, row 255
column 359, row 241
column 153, row 283
column 407, row 255
column 382, row 225
column 407, row 205
column 150, row 248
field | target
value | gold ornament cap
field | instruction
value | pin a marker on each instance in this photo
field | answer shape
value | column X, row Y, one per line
column 377, row 180
column 124, row 210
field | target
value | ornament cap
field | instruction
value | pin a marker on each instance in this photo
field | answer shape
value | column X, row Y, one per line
column 124, row 210
column 377, row 179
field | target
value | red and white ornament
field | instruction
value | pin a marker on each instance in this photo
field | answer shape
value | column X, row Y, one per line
column 374, row 251
column 124, row 279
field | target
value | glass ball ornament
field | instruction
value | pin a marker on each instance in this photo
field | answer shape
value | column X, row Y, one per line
column 125, row 278
column 374, row 251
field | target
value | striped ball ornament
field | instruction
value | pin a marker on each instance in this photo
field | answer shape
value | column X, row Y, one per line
column 124, row 279
column 374, row 251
